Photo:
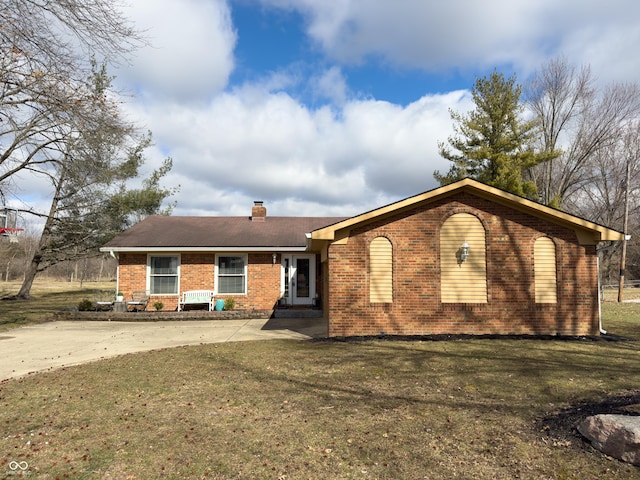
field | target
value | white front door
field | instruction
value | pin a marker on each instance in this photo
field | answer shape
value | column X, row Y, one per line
column 299, row 279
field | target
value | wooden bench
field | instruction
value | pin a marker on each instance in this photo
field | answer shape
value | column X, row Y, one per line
column 196, row 297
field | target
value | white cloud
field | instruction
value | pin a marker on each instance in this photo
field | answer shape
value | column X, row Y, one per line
column 250, row 145
column 463, row 35
column 331, row 85
column 399, row 145
column 608, row 49
column 191, row 51
column 415, row 33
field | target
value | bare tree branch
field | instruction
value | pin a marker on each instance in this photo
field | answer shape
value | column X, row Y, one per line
column 577, row 119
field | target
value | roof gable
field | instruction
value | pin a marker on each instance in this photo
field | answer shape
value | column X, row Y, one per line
column 588, row 233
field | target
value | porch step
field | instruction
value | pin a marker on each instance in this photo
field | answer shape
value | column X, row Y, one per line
column 297, row 313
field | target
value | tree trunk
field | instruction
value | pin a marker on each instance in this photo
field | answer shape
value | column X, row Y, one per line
column 623, row 258
column 35, row 265
column 101, row 268
column 29, row 277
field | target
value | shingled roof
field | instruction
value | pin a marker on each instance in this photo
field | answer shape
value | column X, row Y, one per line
column 167, row 233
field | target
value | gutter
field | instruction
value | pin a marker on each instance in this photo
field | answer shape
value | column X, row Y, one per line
column 239, row 248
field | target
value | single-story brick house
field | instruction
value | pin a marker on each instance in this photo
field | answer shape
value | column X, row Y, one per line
column 465, row 258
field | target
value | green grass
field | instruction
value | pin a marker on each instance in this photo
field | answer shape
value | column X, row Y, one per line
column 481, row 409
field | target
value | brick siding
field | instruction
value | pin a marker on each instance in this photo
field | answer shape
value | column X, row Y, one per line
column 417, row 308
column 197, row 273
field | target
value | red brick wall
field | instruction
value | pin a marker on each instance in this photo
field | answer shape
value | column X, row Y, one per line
column 417, row 308
column 132, row 273
column 263, row 283
column 197, row 273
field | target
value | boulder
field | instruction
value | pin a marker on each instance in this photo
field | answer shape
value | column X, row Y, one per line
column 615, row 435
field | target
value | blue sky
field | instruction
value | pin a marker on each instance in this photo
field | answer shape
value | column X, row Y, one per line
column 273, row 39
column 321, row 107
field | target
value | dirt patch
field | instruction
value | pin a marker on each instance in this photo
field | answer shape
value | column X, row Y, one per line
column 562, row 423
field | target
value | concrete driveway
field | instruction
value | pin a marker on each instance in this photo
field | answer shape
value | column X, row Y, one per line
column 51, row 345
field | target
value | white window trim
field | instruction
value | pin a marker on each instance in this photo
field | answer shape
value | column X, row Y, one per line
column 246, row 272
column 149, row 272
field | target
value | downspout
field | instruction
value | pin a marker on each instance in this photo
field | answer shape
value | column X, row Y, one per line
column 117, row 270
column 602, row 331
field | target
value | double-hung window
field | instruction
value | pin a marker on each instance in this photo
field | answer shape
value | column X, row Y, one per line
column 163, row 274
column 232, row 274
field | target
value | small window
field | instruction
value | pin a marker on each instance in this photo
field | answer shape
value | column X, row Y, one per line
column 163, row 275
column 232, row 274
column 380, row 271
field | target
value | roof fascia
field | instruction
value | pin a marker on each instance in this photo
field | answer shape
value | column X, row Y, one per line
column 200, row 249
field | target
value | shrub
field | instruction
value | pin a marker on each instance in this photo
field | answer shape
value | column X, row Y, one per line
column 85, row 305
column 229, row 303
column 158, row 305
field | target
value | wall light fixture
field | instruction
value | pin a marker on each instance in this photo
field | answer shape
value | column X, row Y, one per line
column 464, row 252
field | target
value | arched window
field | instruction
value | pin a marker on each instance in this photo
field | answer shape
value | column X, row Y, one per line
column 463, row 278
column 380, row 271
column 544, row 267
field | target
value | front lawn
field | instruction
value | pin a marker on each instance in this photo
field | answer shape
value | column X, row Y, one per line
column 481, row 409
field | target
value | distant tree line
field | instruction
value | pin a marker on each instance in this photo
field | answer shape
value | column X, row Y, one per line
column 16, row 255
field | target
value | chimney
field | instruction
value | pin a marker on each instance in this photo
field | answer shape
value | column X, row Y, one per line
column 258, row 212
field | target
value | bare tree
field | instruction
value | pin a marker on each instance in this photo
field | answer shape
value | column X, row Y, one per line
column 602, row 199
column 67, row 32
column 46, row 52
column 60, row 118
column 577, row 119
column 92, row 203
